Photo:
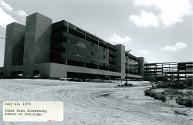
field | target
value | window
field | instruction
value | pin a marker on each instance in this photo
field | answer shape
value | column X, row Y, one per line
column 93, row 40
column 59, row 39
column 58, row 48
column 77, row 33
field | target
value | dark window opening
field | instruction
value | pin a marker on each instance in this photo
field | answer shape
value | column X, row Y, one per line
column 58, row 60
column 92, row 40
column 59, row 49
column 113, row 69
column 112, row 55
column 90, row 65
column 54, row 54
column 59, row 29
column 76, row 33
column 103, row 67
column 59, row 39
column 103, row 45
column 75, row 63
column 112, row 63
column 80, row 30
column 112, row 48
column 36, row 73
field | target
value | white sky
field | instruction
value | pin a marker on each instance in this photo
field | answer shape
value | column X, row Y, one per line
column 159, row 30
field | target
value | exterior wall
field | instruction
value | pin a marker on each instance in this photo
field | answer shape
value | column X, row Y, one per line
column 58, row 70
column 43, row 68
column 18, row 49
column 78, row 45
column 121, row 60
column 91, row 71
column 84, row 51
column 134, row 66
column 37, row 41
column 141, row 66
column 13, row 44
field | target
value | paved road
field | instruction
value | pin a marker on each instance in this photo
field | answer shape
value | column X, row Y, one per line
column 95, row 103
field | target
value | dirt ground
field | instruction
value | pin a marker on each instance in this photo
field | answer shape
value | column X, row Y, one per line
column 95, row 103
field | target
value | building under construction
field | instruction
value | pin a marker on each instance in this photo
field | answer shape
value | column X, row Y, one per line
column 168, row 70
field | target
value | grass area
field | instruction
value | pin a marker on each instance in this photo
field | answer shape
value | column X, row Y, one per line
column 185, row 99
column 156, row 95
column 188, row 84
column 180, row 91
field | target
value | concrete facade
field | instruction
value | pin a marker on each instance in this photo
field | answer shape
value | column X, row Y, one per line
column 121, row 60
column 14, row 38
column 57, row 50
column 37, row 41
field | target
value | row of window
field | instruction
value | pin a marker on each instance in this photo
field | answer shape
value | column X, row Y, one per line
column 81, row 34
column 55, row 57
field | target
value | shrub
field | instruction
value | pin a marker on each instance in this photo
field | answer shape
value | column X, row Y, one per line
column 186, row 101
column 126, row 85
column 162, row 85
column 147, row 92
column 189, row 82
column 159, row 96
column 174, row 85
column 189, row 102
column 174, row 92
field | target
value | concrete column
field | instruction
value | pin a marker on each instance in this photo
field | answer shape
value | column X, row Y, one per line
column 37, row 41
column 121, row 60
column 14, row 36
column 141, row 66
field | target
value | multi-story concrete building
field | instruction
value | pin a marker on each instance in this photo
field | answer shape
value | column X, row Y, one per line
column 61, row 49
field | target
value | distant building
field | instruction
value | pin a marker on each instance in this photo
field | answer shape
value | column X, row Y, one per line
column 168, row 70
column 55, row 50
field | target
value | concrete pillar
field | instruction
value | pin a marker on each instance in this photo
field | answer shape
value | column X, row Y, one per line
column 14, row 37
column 121, row 59
column 37, row 41
column 141, row 66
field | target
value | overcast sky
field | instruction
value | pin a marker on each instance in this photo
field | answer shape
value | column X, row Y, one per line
column 159, row 30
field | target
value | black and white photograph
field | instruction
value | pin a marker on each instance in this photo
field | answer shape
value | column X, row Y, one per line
column 96, row 62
